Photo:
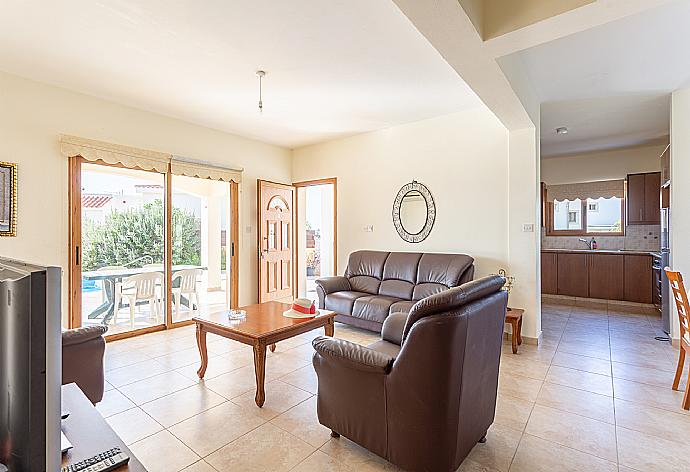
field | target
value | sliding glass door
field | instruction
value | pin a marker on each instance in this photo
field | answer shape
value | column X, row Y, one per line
column 149, row 250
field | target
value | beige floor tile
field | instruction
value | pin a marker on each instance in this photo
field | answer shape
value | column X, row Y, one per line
column 134, row 373
column 284, row 363
column 170, row 346
column 216, row 427
column 158, row 386
column 356, row 457
column 526, row 368
column 574, row 431
column 304, row 352
column 650, row 376
column 320, row 462
column 587, row 350
column 649, row 359
column 659, row 397
column 133, row 425
column 468, row 465
column 520, row 387
column 107, row 386
column 512, row 412
column 115, row 360
column 528, row 352
column 538, row 455
column 182, row 358
column 201, row 466
column 280, row 397
column 183, row 404
column 304, row 378
column 163, row 452
column 653, row 421
column 265, row 448
column 580, row 402
column 302, row 421
column 113, row 403
column 649, row 453
column 235, row 383
column 223, row 346
column 498, row 450
column 588, row 364
column 594, row 383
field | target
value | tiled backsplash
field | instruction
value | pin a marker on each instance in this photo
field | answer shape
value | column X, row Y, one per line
column 637, row 237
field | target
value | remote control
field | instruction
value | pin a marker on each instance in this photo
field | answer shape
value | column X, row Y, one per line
column 104, row 462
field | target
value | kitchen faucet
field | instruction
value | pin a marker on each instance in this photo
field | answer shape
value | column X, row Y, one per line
column 589, row 242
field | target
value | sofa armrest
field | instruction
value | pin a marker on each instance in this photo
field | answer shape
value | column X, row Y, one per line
column 327, row 285
column 352, row 355
column 393, row 326
column 333, row 284
column 82, row 335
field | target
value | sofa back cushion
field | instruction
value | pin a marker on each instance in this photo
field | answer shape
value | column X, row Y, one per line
column 407, row 275
column 365, row 270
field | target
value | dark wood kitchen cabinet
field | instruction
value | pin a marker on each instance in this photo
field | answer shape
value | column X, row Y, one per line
column 638, row 279
column 549, row 273
column 573, row 274
column 605, row 276
column 644, row 198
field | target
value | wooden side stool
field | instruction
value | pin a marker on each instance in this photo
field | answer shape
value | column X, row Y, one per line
column 514, row 317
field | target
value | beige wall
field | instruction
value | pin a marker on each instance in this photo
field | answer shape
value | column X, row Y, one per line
column 33, row 115
column 604, row 165
column 462, row 158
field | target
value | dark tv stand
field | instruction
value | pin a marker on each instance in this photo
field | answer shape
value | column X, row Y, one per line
column 88, row 432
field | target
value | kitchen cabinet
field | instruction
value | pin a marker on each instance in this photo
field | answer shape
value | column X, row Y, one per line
column 644, row 198
column 573, row 274
column 549, row 273
column 638, row 281
column 602, row 275
column 605, row 276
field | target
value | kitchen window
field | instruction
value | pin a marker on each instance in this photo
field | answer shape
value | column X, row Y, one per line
column 586, row 217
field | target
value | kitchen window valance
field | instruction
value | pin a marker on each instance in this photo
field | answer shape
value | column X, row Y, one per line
column 135, row 158
column 585, row 190
column 130, row 157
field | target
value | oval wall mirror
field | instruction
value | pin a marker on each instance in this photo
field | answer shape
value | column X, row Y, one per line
column 414, row 212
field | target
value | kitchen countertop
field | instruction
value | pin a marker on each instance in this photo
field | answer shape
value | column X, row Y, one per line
column 607, row 251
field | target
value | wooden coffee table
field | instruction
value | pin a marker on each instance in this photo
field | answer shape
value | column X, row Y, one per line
column 264, row 326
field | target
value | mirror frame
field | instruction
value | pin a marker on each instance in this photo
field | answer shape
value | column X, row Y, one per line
column 430, row 212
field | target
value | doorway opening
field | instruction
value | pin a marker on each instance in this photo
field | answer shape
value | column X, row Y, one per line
column 316, row 234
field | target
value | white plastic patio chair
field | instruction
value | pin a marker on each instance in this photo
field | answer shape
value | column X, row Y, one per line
column 145, row 288
column 117, row 290
column 188, row 286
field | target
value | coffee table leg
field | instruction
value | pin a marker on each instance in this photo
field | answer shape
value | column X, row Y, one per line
column 201, row 343
column 514, row 336
column 260, row 370
column 272, row 347
column 329, row 328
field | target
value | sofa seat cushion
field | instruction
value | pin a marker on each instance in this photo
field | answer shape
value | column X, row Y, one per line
column 385, row 347
column 373, row 307
column 342, row 302
column 403, row 306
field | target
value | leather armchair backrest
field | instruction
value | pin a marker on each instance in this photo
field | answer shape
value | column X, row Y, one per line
column 452, row 299
column 407, row 275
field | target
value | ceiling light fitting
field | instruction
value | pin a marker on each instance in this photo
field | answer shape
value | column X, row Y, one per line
column 260, row 74
column 562, row 130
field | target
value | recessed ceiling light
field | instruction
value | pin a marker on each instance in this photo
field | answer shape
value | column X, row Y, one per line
column 561, row 130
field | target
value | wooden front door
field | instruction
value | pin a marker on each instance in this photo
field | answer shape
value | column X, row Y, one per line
column 276, row 255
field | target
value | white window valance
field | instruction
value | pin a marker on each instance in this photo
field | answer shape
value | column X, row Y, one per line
column 585, row 190
column 130, row 157
column 136, row 158
column 188, row 168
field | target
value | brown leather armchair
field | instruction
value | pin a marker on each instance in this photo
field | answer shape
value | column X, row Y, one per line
column 83, row 350
column 425, row 394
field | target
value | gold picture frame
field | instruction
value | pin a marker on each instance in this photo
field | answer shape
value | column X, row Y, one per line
column 8, row 199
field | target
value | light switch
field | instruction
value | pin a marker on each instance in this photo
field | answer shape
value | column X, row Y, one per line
column 528, row 228
column 368, row 228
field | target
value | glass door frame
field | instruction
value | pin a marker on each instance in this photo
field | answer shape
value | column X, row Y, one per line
column 75, row 248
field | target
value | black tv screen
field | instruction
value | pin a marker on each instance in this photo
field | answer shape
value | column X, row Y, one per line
column 30, row 367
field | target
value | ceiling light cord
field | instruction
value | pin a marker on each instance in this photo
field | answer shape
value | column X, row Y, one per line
column 261, row 74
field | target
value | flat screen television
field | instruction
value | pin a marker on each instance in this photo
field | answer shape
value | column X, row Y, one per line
column 30, row 367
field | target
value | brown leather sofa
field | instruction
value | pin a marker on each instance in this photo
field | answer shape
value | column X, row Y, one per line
column 425, row 394
column 83, row 350
column 378, row 283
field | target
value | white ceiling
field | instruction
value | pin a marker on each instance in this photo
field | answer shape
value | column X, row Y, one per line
column 334, row 68
column 611, row 85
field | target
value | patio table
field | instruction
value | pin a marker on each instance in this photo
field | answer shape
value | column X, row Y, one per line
column 111, row 277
